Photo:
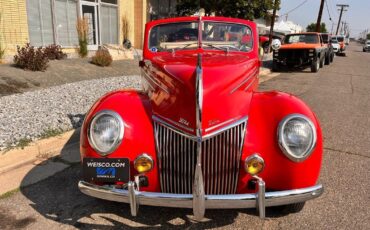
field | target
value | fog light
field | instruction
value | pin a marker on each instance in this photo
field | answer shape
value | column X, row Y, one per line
column 143, row 163
column 254, row 164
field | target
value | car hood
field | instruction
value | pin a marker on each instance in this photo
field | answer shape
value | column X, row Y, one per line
column 299, row 45
column 225, row 77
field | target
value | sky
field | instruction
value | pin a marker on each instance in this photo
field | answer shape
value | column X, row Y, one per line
column 357, row 15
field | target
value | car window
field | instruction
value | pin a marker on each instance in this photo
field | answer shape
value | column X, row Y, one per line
column 215, row 36
column 304, row 38
column 231, row 36
column 173, row 35
column 325, row 38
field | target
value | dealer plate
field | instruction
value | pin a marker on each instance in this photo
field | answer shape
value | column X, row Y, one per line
column 106, row 169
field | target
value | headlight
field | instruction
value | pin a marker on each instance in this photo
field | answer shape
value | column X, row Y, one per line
column 106, row 132
column 297, row 137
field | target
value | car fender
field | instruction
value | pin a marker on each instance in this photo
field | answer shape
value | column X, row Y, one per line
column 135, row 109
column 280, row 173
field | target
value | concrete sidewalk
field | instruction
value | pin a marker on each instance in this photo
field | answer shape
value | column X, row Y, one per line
column 44, row 158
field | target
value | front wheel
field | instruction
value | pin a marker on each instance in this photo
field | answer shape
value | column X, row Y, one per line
column 332, row 57
column 291, row 208
column 322, row 62
column 275, row 66
column 327, row 59
column 315, row 66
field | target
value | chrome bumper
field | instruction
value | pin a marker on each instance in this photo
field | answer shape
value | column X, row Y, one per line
column 259, row 200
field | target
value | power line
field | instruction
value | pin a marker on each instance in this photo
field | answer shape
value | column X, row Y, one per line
column 295, row 8
column 327, row 8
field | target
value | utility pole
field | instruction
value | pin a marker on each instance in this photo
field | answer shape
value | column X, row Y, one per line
column 318, row 23
column 276, row 5
column 342, row 7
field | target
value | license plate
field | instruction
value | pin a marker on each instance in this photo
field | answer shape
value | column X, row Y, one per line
column 106, row 169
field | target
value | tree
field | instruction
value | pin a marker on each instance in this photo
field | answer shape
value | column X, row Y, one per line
column 368, row 36
column 312, row 27
column 245, row 9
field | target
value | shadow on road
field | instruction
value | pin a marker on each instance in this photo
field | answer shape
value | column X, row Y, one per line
column 58, row 198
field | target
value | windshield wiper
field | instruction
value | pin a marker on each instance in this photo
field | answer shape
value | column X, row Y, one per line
column 181, row 47
column 223, row 48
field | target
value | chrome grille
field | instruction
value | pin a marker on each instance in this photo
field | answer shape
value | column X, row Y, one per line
column 220, row 159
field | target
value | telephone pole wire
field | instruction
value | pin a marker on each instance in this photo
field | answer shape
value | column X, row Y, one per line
column 318, row 23
column 342, row 8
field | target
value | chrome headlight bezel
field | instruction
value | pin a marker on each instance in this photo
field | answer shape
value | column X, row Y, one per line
column 282, row 144
column 119, row 139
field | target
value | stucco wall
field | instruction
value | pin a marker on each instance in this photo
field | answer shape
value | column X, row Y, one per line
column 13, row 26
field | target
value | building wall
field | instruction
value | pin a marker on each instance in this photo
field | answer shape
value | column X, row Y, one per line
column 135, row 12
column 13, row 26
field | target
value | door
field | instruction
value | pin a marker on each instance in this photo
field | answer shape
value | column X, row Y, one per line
column 90, row 11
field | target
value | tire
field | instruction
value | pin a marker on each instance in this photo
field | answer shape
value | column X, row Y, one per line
column 322, row 62
column 315, row 66
column 275, row 66
column 332, row 57
column 291, row 208
column 327, row 59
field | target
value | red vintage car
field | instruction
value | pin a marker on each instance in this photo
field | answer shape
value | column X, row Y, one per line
column 199, row 135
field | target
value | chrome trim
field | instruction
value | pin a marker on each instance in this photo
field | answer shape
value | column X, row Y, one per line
column 236, row 123
column 199, row 96
column 255, row 155
column 281, row 140
column 173, row 128
column 120, row 136
column 261, row 194
column 144, row 155
column 244, row 81
column 134, row 205
column 148, row 77
column 233, row 201
column 175, row 149
column 219, row 125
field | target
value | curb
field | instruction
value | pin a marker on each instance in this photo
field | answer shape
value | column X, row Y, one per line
column 38, row 161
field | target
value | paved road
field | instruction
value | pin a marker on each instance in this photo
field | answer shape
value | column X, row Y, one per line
column 339, row 94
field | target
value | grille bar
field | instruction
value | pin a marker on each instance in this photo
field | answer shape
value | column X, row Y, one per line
column 220, row 159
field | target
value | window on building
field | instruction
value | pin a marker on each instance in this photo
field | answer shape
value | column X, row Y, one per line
column 109, row 24
column 40, row 24
column 65, row 22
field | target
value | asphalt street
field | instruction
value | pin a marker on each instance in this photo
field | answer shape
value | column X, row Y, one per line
column 339, row 94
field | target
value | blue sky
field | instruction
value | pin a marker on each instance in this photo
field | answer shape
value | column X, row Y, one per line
column 357, row 16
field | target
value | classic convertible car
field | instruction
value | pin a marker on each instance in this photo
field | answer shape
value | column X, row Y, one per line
column 199, row 135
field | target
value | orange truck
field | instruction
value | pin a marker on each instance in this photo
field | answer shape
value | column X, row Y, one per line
column 301, row 50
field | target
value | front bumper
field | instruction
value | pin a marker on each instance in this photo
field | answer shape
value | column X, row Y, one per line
column 259, row 200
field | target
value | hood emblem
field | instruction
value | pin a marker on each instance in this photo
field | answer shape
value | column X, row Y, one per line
column 183, row 121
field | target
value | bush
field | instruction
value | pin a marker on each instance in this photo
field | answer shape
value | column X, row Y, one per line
column 102, row 58
column 54, row 52
column 31, row 58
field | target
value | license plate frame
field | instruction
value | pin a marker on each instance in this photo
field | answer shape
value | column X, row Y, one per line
column 106, row 169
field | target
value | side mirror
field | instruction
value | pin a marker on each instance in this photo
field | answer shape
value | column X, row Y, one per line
column 276, row 44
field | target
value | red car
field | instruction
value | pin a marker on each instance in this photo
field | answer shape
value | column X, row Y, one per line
column 199, row 135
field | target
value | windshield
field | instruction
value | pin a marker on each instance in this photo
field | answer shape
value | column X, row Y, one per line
column 340, row 39
column 325, row 38
column 334, row 40
column 215, row 36
column 305, row 38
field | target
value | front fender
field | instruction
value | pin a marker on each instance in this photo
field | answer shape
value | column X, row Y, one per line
column 135, row 110
column 280, row 173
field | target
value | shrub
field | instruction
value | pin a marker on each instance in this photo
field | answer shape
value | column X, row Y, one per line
column 102, row 58
column 31, row 58
column 54, row 52
column 82, row 27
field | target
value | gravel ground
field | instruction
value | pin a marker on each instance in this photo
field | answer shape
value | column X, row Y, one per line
column 28, row 115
